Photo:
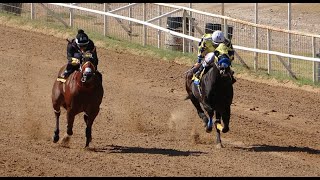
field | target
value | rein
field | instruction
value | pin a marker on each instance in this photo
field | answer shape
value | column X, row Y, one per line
column 83, row 85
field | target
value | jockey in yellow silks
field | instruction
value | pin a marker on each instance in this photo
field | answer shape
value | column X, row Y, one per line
column 220, row 46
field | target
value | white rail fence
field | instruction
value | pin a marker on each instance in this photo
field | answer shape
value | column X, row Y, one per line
column 259, row 47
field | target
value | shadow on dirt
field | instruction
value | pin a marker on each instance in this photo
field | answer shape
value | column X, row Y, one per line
column 125, row 149
column 269, row 148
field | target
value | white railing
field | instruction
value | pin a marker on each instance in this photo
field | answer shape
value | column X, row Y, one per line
column 128, row 19
column 237, row 41
column 193, row 38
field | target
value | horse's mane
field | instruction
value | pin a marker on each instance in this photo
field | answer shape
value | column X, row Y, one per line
column 210, row 77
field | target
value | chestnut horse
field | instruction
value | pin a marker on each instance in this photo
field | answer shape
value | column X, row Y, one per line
column 216, row 97
column 82, row 91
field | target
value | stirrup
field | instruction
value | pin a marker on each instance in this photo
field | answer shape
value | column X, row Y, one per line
column 195, row 79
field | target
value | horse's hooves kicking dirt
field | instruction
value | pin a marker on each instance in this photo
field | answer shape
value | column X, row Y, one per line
column 218, row 146
column 65, row 141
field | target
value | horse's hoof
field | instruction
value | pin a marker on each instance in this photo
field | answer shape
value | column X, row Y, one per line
column 205, row 121
column 209, row 129
column 88, row 142
column 219, row 146
column 69, row 132
column 205, row 124
column 55, row 139
column 225, row 129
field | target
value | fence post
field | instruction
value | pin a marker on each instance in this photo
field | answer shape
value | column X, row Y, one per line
column 316, row 65
column 190, row 28
column 71, row 16
column 130, row 22
column 223, row 20
column 255, row 63
column 289, row 34
column 268, row 48
column 159, row 24
column 105, row 19
column 224, row 28
column 144, row 26
column 32, row 10
column 184, row 30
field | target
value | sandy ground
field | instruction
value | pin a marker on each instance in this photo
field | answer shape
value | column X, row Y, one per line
column 145, row 127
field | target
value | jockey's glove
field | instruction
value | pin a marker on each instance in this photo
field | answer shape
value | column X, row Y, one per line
column 75, row 61
column 200, row 58
column 87, row 55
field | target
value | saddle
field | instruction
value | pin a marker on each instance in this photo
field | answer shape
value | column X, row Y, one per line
column 202, row 73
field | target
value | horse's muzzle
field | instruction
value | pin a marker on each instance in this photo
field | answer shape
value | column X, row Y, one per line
column 86, row 76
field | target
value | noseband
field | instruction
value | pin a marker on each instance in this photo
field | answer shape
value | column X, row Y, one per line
column 87, row 70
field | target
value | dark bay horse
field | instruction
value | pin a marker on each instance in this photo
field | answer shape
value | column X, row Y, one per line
column 216, row 97
column 82, row 91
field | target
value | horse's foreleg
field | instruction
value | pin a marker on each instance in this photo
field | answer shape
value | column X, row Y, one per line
column 56, row 131
column 200, row 111
column 70, row 119
column 210, row 123
column 89, row 121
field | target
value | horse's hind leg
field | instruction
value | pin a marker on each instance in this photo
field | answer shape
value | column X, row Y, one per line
column 218, row 137
column 216, row 123
column 200, row 111
column 226, row 119
column 66, row 138
column 57, row 100
column 56, row 107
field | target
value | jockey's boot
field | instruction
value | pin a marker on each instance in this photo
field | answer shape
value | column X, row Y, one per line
column 197, row 75
column 195, row 67
column 67, row 72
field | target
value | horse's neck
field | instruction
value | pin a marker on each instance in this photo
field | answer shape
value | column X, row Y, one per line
column 211, row 78
column 213, row 73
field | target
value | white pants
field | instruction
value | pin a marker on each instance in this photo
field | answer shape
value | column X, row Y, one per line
column 208, row 59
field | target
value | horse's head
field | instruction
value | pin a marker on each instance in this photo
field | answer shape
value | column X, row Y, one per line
column 87, row 67
column 224, row 64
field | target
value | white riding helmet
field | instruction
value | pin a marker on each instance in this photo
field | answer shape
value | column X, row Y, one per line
column 217, row 37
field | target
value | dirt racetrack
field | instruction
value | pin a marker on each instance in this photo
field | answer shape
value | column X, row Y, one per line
column 145, row 127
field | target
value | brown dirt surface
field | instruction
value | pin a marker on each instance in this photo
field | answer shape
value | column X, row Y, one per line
column 145, row 127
